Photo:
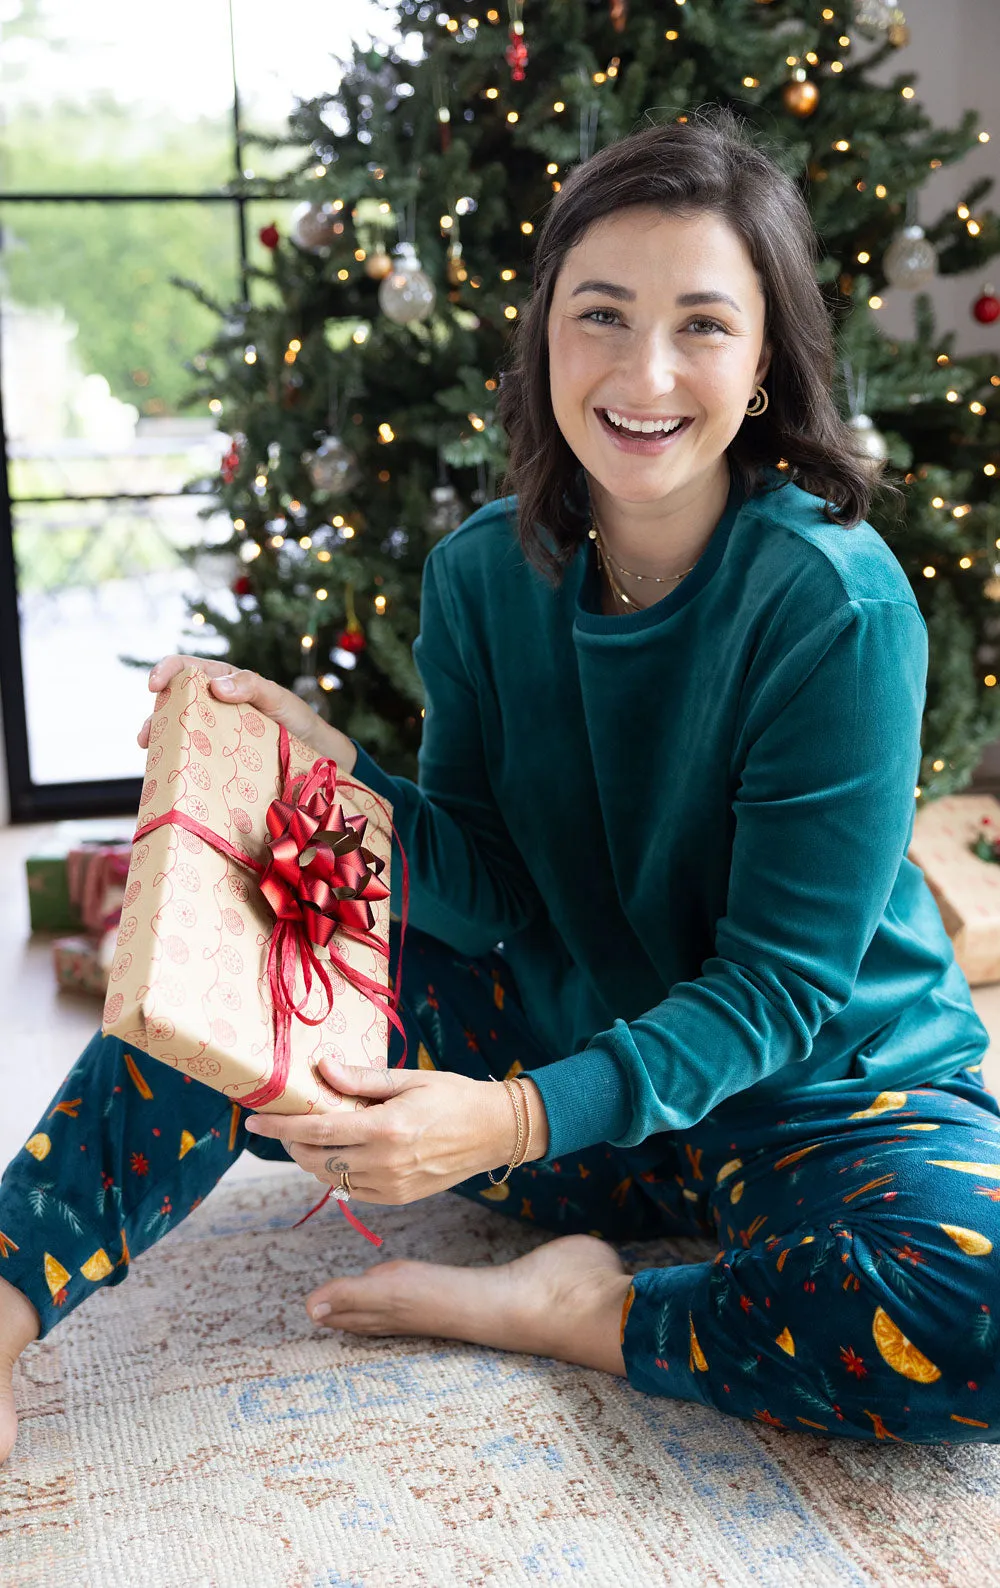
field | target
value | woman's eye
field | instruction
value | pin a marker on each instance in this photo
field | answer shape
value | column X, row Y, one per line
column 705, row 326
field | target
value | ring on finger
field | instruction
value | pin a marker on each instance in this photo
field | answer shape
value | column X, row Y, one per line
column 342, row 1191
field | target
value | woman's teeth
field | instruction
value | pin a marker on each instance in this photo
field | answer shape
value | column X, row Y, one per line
column 643, row 426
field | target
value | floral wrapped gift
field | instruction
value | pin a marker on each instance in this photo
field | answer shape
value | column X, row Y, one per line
column 253, row 940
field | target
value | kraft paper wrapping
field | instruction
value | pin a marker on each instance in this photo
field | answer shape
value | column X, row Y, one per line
column 966, row 889
column 188, row 984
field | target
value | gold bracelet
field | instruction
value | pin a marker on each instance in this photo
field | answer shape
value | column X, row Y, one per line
column 513, row 1094
column 527, row 1108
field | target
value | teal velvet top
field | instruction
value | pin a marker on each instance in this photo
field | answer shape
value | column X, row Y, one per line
column 687, row 826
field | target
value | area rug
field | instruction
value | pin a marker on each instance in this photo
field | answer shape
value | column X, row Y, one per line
column 191, row 1429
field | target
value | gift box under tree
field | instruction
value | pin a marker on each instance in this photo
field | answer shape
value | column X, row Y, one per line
column 953, row 846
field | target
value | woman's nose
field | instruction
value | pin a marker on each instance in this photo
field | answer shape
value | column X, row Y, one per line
column 653, row 364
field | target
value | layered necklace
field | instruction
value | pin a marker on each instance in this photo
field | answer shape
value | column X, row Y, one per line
column 607, row 563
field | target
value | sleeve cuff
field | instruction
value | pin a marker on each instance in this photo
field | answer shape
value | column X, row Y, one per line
column 586, row 1101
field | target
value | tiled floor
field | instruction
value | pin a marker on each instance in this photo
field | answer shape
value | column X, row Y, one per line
column 44, row 1029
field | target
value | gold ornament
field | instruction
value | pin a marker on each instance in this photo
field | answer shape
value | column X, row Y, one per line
column 899, row 35
column 801, row 97
column 378, row 264
column 991, row 589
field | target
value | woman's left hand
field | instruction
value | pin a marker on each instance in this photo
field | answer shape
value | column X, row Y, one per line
column 423, row 1131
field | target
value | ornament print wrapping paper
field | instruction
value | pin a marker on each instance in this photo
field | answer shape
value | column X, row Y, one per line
column 966, row 889
column 194, row 970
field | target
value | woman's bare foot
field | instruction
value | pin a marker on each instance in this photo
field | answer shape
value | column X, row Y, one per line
column 562, row 1300
column 19, row 1325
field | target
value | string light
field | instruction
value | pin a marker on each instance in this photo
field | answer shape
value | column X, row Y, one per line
column 476, row 422
column 827, row 15
column 198, row 619
column 348, row 532
column 551, row 168
column 952, row 396
column 990, row 469
column 342, row 275
column 558, row 106
column 938, row 766
column 965, row 562
column 907, row 92
column 672, row 34
column 386, row 433
column 972, row 227
column 943, row 358
column 984, row 137
column 512, row 116
column 307, row 642
column 250, row 551
column 863, row 257
column 527, row 228
column 842, row 144
column 875, row 302
column 937, row 501
column 510, row 313
column 507, row 275
column 380, row 604
column 989, row 680
column 260, row 480
column 960, row 512
column 880, row 191
column 277, row 540
column 844, row 41
column 305, row 542
column 962, row 212
column 250, row 355
column 321, row 595
column 836, row 66
column 323, row 556
column 360, row 334
column 976, row 408
column 751, row 82
column 930, row 573
column 239, row 524
column 215, row 406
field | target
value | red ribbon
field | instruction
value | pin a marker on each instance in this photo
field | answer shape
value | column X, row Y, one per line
column 319, row 882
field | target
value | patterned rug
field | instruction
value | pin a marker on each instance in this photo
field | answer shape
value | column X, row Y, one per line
column 190, row 1429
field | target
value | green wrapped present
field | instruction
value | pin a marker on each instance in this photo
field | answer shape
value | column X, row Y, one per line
column 50, row 904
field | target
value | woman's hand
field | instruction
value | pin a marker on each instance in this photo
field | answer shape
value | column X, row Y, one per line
column 281, row 705
column 424, row 1131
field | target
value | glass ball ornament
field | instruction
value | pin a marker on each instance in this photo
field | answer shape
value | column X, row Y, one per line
column 312, row 227
column 986, row 308
column 378, row 264
column 408, row 294
column 910, row 261
column 331, row 467
column 800, row 96
column 869, row 442
column 308, row 689
column 446, row 513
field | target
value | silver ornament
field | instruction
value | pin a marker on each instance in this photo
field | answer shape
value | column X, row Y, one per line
column 407, row 294
column 869, row 443
column 447, row 513
column 873, row 18
column 331, row 467
column 308, row 689
column 910, row 261
column 312, row 227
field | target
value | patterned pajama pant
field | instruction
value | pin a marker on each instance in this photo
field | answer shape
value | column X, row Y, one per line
column 855, row 1291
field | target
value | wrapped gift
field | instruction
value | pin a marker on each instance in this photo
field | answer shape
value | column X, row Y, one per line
column 253, row 940
column 78, row 965
column 51, row 902
column 948, row 846
column 95, row 875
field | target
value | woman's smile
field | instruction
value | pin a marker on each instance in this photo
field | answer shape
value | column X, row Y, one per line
column 643, row 443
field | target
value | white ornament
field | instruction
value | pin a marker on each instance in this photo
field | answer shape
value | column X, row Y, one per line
column 407, row 294
column 447, row 514
column 910, row 260
column 312, row 227
column 331, row 467
column 869, row 443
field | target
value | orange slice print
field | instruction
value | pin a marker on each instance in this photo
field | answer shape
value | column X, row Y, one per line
column 883, row 1102
column 786, row 1342
column 923, row 1125
column 7, row 1245
column 970, row 1241
column 900, row 1353
column 737, row 1191
column 234, row 1125
column 98, row 1266
column 38, row 1145
column 728, row 1169
column 187, row 1142
column 989, row 1171
column 697, row 1357
column 56, row 1276
column 793, row 1157
column 424, row 1060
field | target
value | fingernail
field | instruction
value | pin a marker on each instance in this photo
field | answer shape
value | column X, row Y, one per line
column 251, row 1125
column 225, row 684
column 321, row 1309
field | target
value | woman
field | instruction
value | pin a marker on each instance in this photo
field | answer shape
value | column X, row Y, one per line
column 658, row 872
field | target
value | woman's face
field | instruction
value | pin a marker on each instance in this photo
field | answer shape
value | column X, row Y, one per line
column 655, row 317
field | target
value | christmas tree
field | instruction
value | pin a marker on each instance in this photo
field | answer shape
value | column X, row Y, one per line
column 359, row 384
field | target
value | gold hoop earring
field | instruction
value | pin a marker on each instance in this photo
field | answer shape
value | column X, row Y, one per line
column 758, row 403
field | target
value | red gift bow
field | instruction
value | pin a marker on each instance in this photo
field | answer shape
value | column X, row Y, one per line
column 318, row 881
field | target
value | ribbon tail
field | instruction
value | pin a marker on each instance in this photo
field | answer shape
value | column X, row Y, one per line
column 376, row 1240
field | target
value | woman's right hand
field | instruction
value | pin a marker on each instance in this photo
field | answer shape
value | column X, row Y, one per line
column 272, row 700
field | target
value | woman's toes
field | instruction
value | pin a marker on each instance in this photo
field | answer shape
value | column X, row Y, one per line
column 371, row 1293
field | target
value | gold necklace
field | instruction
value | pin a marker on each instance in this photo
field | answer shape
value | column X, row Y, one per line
column 606, row 561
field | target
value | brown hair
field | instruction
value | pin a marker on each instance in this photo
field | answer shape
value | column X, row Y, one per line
column 705, row 163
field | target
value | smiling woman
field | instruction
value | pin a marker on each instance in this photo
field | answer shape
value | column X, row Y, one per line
column 674, row 280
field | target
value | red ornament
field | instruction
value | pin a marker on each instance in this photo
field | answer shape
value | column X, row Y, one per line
column 242, row 585
column 986, row 308
column 229, row 465
column 516, row 56
column 269, row 235
column 351, row 640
